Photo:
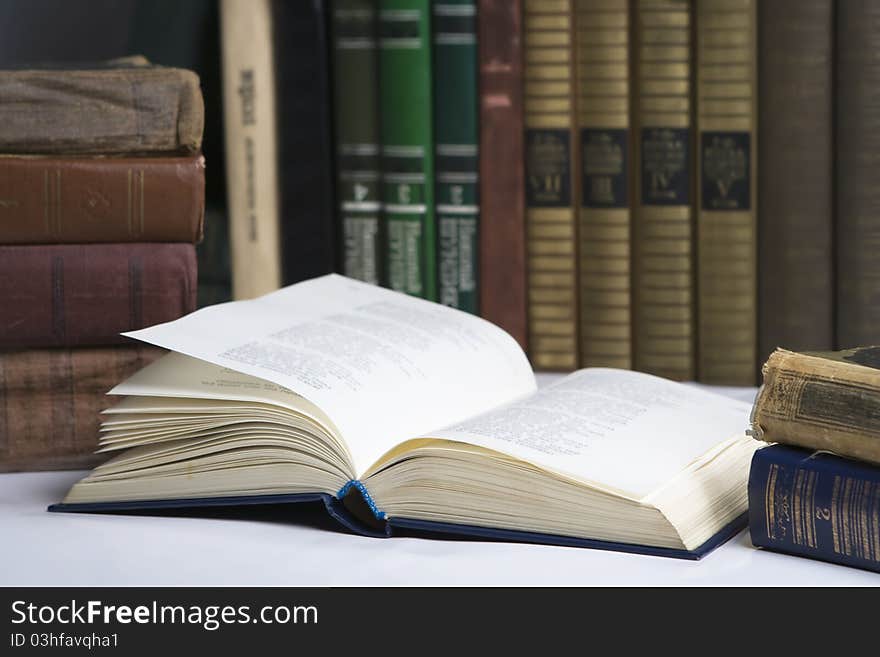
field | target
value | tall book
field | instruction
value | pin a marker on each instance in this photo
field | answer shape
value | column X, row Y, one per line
column 551, row 183
column 356, row 98
column 819, row 506
column 502, row 181
column 795, row 176
column 663, row 263
column 456, row 136
column 405, row 105
column 857, row 196
column 303, row 91
column 251, row 138
column 604, row 213
column 727, row 240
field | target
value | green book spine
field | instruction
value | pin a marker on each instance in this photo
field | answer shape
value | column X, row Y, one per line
column 456, row 133
column 356, row 87
column 407, row 146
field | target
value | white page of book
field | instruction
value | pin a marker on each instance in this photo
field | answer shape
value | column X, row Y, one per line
column 625, row 431
column 385, row 367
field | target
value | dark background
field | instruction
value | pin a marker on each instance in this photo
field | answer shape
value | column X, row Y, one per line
column 184, row 33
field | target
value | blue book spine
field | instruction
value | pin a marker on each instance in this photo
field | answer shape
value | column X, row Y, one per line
column 815, row 505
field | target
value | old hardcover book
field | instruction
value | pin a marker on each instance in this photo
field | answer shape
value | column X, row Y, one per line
column 502, row 277
column 825, row 401
column 51, row 399
column 405, row 83
column 727, row 156
column 456, row 155
column 86, row 294
column 819, row 506
column 795, row 176
column 443, row 431
column 663, row 260
column 857, row 157
column 304, row 139
column 552, row 182
column 604, row 211
column 356, row 107
column 90, row 199
column 251, row 146
column 126, row 107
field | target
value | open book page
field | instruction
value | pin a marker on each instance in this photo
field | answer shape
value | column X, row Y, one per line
column 624, row 431
column 383, row 366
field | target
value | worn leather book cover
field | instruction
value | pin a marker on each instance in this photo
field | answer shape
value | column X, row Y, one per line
column 130, row 107
column 552, row 183
column 51, row 399
column 86, row 294
column 727, row 157
column 795, row 176
column 823, row 400
column 502, row 185
column 604, row 210
column 356, row 112
column 857, row 198
column 664, row 341
column 303, row 92
column 50, row 200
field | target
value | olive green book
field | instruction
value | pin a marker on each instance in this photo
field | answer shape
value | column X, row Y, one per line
column 727, row 240
column 604, row 212
column 663, row 224
column 456, row 136
column 551, row 184
column 356, row 108
column 405, row 106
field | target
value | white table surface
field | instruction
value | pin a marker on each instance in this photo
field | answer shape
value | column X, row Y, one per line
column 44, row 549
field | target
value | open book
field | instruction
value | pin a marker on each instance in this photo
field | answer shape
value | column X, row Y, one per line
column 404, row 414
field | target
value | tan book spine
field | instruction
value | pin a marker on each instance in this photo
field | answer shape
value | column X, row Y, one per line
column 551, row 184
column 663, row 269
column 604, row 213
column 251, row 158
column 823, row 401
column 727, row 146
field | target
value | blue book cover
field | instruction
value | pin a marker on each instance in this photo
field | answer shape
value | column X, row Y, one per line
column 815, row 505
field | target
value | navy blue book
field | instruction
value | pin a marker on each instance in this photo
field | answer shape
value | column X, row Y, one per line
column 406, row 416
column 815, row 504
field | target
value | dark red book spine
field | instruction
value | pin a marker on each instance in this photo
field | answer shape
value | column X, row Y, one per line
column 71, row 295
column 502, row 185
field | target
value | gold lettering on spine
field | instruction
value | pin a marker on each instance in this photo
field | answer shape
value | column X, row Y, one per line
column 769, row 505
column 835, row 515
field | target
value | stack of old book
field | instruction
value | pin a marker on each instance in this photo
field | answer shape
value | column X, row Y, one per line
column 816, row 493
column 101, row 204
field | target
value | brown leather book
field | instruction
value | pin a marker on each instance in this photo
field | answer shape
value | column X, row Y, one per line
column 51, row 399
column 857, row 196
column 84, row 200
column 113, row 108
column 72, row 294
column 795, row 176
column 502, row 192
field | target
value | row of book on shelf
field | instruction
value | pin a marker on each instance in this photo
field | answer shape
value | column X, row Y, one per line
column 672, row 186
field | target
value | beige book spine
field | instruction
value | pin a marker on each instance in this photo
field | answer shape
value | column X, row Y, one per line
column 251, row 161
column 604, row 140
column 551, row 184
column 727, row 191
column 663, row 271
